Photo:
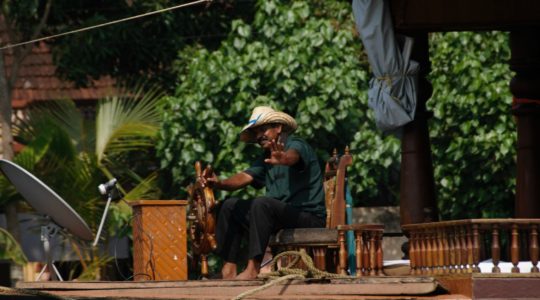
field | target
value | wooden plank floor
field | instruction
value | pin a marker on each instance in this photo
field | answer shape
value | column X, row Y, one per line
column 357, row 288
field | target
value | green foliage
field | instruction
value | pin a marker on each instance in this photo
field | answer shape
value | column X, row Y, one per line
column 25, row 15
column 10, row 249
column 298, row 56
column 473, row 133
column 144, row 47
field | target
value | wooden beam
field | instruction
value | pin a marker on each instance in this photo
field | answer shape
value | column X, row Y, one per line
column 457, row 15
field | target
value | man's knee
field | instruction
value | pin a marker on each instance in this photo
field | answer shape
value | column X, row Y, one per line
column 229, row 203
column 226, row 207
column 260, row 203
column 264, row 205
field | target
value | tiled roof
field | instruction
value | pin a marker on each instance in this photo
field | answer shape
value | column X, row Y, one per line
column 37, row 81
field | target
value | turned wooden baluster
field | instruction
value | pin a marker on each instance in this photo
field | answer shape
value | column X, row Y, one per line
column 476, row 248
column 452, row 250
column 423, row 251
column 495, row 248
column 358, row 252
column 427, row 252
column 533, row 248
column 464, row 251
column 365, row 254
column 419, row 253
column 372, row 254
column 440, row 251
column 204, row 265
column 433, row 252
column 342, row 253
column 319, row 253
column 446, row 251
column 445, row 257
column 379, row 253
column 468, row 238
column 412, row 252
column 514, row 249
column 419, row 258
column 457, row 243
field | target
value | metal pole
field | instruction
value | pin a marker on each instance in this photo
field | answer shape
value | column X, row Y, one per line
column 109, row 198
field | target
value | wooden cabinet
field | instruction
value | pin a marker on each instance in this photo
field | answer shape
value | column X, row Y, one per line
column 159, row 240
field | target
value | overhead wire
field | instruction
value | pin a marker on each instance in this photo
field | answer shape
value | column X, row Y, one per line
column 105, row 24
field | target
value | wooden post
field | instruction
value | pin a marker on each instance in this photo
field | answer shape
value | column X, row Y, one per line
column 417, row 186
column 525, row 86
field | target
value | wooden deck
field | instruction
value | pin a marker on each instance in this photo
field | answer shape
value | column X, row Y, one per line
column 457, row 286
column 358, row 288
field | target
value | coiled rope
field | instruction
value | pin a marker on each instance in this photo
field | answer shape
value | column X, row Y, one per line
column 289, row 273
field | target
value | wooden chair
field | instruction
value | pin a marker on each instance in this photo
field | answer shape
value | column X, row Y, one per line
column 328, row 246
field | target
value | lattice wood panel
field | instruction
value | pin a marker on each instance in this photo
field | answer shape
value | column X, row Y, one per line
column 159, row 240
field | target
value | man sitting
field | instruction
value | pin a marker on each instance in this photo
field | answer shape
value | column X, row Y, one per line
column 294, row 198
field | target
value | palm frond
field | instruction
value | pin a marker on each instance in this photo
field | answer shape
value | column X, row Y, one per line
column 48, row 138
column 63, row 113
column 127, row 122
column 146, row 189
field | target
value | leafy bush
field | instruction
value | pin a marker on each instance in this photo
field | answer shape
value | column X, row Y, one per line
column 472, row 132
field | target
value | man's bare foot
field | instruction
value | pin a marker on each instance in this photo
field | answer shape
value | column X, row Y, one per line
column 247, row 275
column 228, row 271
column 252, row 270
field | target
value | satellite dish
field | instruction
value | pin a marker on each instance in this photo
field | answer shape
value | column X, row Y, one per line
column 44, row 200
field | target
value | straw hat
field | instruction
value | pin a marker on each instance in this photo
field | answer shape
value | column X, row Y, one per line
column 266, row 115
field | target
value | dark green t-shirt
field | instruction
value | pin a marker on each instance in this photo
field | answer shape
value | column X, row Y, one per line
column 299, row 185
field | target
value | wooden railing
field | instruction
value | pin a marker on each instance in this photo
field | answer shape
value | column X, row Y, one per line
column 459, row 246
column 328, row 248
column 368, row 249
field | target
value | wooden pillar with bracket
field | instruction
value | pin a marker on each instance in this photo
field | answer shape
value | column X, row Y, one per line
column 417, row 186
column 525, row 87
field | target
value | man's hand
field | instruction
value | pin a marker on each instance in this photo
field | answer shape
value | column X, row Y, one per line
column 212, row 182
column 278, row 155
column 232, row 183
